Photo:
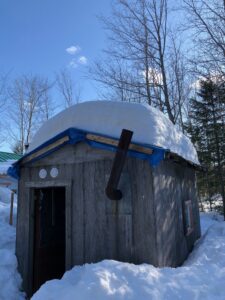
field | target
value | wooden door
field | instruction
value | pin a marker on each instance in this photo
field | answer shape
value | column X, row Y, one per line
column 49, row 235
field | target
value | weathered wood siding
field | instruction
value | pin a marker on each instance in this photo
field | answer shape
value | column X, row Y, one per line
column 96, row 227
column 174, row 184
column 146, row 225
column 23, row 228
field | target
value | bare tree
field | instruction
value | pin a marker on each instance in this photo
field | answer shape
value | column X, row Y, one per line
column 29, row 108
column 180, row 79
column 206, row 20
column 67, row 88
column 138, row 60
column 120, row 84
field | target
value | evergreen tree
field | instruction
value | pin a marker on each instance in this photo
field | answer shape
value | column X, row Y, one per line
column 207, row 129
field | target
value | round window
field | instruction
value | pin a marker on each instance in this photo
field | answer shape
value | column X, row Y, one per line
column 42, row 173
column 54, row 172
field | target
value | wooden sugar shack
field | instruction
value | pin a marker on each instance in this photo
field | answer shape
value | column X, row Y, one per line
column 84, row 197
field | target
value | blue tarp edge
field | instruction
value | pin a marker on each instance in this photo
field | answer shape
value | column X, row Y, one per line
column 76, row 136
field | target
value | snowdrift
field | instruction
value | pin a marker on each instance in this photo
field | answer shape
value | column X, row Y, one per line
column 10, row 280
column 201, row 277
column 4, row 166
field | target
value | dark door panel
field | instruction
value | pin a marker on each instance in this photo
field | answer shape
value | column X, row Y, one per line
column 49, row 235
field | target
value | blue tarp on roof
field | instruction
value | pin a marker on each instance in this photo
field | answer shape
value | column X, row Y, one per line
column 75, row 136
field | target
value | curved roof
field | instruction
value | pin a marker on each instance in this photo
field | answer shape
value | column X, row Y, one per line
column 149, row 125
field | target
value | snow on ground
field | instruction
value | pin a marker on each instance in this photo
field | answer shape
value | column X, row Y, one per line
column 216, row 203
column 149, row 125
column 201, row 277
column 5, row 165
column 10, row 280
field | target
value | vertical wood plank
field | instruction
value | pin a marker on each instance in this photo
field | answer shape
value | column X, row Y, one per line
column 100, row 209
column 11, row 208
column 78, row 220
column 22, row 229
column 143, row 213
column 119, row 219
column 111, row 219
column 68, row 227
column 124, row 239
column 90, row 216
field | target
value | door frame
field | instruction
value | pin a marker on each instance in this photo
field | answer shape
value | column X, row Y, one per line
column 30, row 186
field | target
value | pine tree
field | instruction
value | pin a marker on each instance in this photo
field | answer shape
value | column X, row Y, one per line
column 207, row 129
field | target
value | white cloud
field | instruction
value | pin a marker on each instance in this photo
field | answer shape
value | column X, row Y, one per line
column 73, row 63
column 73, row 49
column 82, row 60
column 154, row 75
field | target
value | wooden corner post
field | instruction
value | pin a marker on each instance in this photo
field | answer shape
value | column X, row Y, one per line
column 11, row 209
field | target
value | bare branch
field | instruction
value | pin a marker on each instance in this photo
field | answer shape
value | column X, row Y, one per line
column 66, row 88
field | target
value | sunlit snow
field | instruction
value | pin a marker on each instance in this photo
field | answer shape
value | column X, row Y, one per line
column 149, row 125
column 201, row 277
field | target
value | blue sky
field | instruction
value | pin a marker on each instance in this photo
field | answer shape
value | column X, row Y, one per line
column 44, row 36
column 36, row 33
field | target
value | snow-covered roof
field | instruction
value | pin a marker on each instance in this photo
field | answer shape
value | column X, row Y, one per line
column 149, row 125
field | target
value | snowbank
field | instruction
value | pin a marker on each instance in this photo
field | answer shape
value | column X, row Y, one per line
column 216, row 203
column 149, row 125
column 5, row 165
column 201, row 277
column 5, row 195
column 10, row 280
